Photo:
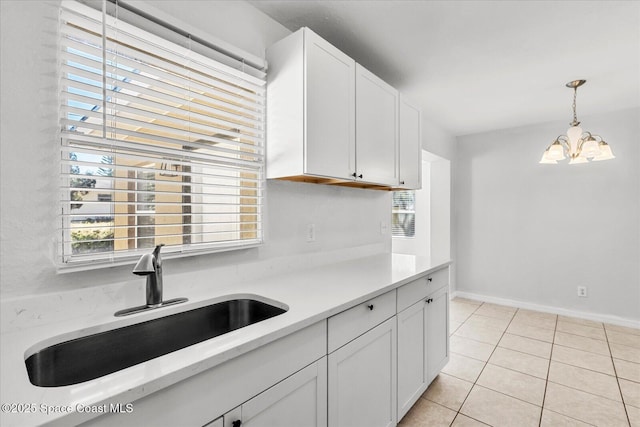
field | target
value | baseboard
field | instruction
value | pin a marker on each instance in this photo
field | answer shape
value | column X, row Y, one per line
column 605, row 318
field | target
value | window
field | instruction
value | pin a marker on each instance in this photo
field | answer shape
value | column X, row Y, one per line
column 159, row 144
column 403, row 214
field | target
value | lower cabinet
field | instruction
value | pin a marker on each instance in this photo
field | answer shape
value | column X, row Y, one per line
column 365, row 366
column 437, row 332
column 412, row 361
column 423, row 346
column 299, row 400
column 362, row 379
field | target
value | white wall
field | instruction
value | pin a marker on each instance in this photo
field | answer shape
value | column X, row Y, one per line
column 433, row 214
column 442, row 143
column 437, row 140
column 440, row 242
column 533, row 233
column 347, row 220
column 419, row 244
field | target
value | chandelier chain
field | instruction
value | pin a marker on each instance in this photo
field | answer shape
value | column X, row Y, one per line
column 575, row 94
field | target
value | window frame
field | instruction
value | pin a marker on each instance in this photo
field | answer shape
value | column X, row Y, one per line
column 395, row 211
column 66, row 261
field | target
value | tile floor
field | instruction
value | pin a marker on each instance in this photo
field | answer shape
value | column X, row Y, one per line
column 518, row 368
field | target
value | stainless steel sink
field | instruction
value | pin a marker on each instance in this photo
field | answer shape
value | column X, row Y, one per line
column 92, row 356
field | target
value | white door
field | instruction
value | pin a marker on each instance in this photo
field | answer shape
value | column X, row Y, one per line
column 437, row 328
column 330, row 109
column 409, row 143
column 411, row 356
column 376, row 129
column 299, row 400
column 362, row 380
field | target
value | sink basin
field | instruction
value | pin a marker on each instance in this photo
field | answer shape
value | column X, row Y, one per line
column 92, row 356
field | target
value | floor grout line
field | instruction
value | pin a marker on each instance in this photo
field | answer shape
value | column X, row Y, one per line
column 546, row 383
column 518, row 319
column 482, row 370
column 474, row 382
column 615, row 371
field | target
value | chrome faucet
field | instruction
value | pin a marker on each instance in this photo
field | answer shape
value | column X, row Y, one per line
column 150, row 265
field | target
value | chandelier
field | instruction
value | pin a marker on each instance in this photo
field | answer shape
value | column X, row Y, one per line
column 580, row 146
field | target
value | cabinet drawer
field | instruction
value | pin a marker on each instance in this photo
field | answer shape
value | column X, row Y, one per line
column 351, row 323
column 420, row 288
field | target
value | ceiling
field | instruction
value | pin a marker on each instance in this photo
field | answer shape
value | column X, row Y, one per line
column 476, row 66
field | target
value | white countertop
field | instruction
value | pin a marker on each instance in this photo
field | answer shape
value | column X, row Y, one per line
column 311, row 294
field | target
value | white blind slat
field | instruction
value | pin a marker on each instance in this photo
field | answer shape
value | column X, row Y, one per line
column 160, row 144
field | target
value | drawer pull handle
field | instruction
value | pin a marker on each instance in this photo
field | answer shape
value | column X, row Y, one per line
column 370, row 306
column 429, row 300
column 430, row 279
column 236, row 423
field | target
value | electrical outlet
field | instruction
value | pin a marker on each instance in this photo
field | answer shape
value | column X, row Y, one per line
column 582, row 291
column 311, row 233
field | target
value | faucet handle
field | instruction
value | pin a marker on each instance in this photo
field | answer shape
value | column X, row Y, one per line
column 156, row 254
column 156, row 251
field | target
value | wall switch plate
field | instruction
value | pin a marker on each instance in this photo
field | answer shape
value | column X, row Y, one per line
column 582, row 291
column 311, row 233
column 383, row 227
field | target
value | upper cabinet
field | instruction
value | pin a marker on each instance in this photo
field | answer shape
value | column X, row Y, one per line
column 329, row 120
column 410, row 137
column 310, row 109
column 376, row 129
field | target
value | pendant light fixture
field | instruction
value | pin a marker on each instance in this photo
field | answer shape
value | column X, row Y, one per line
column 580, row 146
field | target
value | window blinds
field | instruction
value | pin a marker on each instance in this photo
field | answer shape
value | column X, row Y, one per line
column 159, row 144
column 403, row 214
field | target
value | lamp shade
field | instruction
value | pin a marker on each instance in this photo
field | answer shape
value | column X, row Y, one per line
column 590, row 148
column 546, row 160
column 578, row 160
column 605, row 152
column 556, row 151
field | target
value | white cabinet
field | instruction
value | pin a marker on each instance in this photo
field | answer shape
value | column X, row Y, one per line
column 411, row 356
column 362, row 379
column 310, row 109
column 299, row 400
column 329, row 120
column 201, row 398
column 410, row 146
column 376, row 129
column 437, row 332
column 218, row 422
column 423, row 335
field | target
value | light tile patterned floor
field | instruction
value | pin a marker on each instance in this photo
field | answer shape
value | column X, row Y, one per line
column 516, row 368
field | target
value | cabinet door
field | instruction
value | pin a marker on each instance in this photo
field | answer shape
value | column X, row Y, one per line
column 376, row 129
column 218, row 422
column 299, row 400
column 330, row 109
column 437, row 329
column 362, row 380
column 410, row 149
column 411, row 356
